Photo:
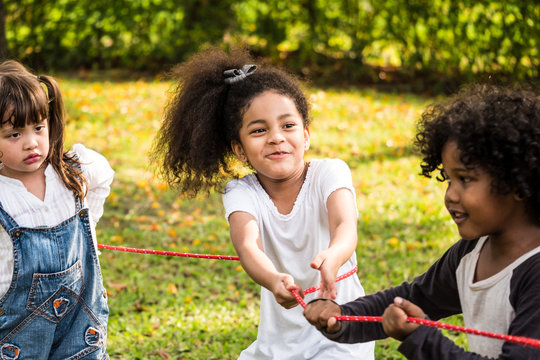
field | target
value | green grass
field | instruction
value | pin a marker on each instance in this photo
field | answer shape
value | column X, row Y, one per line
column 181, row 308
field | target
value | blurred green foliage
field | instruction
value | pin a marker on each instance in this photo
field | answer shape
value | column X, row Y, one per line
column 365, row 41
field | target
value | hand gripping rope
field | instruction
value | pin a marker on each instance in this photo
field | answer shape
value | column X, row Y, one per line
column 509, row 338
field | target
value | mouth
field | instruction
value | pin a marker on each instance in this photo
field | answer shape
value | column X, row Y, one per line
column 458, row 216
column 278, row 155
column 32, row 158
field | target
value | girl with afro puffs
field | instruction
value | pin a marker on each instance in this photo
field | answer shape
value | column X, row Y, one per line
column 485, row 143
column 292, row 222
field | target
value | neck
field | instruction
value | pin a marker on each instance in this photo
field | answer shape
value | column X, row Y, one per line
column 512, row 246
column 34, row 182
column 284, row 192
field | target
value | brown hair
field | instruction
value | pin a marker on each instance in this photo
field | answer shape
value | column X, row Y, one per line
column 205, row 114
column 28, row 99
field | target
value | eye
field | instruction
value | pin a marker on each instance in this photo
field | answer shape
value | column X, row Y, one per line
column 13, row 135
column 257, row 131
column 289, row 125
column 38, row 128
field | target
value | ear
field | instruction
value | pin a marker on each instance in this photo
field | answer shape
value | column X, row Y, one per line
column 307, row 137
column 238, row 150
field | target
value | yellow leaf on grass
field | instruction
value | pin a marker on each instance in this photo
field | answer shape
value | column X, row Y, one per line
column 172, row 289
column 116, row 238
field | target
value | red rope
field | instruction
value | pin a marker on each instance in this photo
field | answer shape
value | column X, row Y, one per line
column 510, row 338
column 339, row 278
column 168, row 253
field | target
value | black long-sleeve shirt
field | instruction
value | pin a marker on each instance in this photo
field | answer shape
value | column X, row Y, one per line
column 507, row 302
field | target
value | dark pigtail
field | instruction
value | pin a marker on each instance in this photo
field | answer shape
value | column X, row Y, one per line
column 66, row 166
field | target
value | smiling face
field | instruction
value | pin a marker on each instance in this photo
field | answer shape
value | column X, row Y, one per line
column 476, row 210
column 23, row 151
column 273, row 138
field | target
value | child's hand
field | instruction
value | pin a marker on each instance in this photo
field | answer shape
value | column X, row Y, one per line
column 394, row 319
column 328, row 277
column 282, row 287
column 322, row 315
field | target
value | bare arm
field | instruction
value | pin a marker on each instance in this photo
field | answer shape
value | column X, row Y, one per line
column 246, row 239
column 342, row 218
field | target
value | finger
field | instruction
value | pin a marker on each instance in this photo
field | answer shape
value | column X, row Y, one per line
column 328, row 293
column 287, row 302
column 394, row 322
column 322, row 315
column 295, row 287
column 328, row 287
column 333, row 325
column 393, row 314
column 331, row 290
column 409, row 308
column 292, row 305
column 317, row 262
column 287, row 281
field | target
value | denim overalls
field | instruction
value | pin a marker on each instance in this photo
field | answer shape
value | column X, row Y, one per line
column 56, row 306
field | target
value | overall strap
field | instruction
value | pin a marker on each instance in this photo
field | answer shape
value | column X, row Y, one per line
column 78, row 204
column 6, row 221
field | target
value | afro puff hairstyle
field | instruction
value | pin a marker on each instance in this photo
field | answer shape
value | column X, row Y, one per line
column 204, row 115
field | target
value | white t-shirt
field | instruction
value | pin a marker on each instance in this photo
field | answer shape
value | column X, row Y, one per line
column 486, row 304
column 291, row 241
column 58, row 205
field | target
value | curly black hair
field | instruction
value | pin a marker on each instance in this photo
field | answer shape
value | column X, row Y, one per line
column 495, row 128
column 204, row 114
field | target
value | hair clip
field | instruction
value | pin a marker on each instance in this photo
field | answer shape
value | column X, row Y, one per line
column 45, row 88
column 236, row 75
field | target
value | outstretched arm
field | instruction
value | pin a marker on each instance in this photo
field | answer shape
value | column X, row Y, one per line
column 342, row 218
column 247, row 243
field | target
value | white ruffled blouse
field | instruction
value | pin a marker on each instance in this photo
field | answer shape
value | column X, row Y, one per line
column 58, row 205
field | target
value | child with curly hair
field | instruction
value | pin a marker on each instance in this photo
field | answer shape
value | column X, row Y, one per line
column 289, row 216
column 486, row 144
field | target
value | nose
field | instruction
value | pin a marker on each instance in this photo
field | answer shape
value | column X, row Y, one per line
column 30, row 142
column 276, row 137
column 451, row 195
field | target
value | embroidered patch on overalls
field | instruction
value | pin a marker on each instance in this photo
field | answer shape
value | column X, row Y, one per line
column 60, row 306
column 92, row 336
column 10, row 352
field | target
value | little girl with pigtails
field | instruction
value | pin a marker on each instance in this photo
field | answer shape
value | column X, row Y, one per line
column 293, row 223
column 52, row 301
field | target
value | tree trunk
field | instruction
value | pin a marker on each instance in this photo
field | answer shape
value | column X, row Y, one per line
column 4, row 52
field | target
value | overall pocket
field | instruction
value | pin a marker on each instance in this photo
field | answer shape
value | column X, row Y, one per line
column 53, row 295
